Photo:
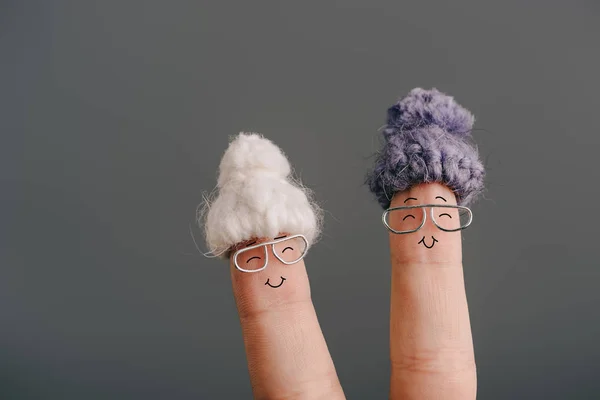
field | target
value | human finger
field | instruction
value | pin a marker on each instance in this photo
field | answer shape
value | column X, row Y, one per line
column 426, row 168
column 267, row 222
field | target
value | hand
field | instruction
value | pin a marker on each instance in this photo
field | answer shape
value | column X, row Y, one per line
column 431, row 349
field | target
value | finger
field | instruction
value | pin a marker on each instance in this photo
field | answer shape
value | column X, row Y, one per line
column 286, row 352
column 427, row 138
column 431, row 347
column 267, row 220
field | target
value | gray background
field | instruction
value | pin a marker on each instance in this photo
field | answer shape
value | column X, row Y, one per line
column 114, row 115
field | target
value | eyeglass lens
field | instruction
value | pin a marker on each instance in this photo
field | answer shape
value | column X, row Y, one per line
column 252, row 259
column 290, row 250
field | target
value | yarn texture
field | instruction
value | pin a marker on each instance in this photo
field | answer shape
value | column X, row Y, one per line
column 427, row 138
column 256, row 197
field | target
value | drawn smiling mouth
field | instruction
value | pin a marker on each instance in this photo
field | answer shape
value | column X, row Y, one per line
column 282, row 280
column 425, row 244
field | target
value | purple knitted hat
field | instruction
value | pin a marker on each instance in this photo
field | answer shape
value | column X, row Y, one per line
column 427, row 139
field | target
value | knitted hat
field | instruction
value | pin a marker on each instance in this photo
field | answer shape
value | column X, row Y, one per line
column 427, row 139
column 256, row 197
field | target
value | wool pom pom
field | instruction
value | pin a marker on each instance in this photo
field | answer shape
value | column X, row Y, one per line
column 430, row 107
column 251, row 155
column 256, row 197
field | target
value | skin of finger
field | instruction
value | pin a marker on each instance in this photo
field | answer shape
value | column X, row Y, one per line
column 286, row 352
column 431, row 347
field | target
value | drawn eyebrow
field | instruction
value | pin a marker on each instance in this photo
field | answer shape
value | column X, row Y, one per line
column 440, row 197
column 410, row 198
column 279, row 237
column 251, row 243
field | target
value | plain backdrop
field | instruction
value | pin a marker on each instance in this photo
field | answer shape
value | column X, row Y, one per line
column 113, row 119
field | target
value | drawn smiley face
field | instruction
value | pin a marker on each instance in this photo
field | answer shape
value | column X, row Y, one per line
column 417, row 215
column 277, row 253
column 424, row 224
column 427, row 215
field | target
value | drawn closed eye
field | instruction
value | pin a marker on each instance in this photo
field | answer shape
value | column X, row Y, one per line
column 446, row 214
column 283, row 251
column 409, row 215
column 252, row 258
